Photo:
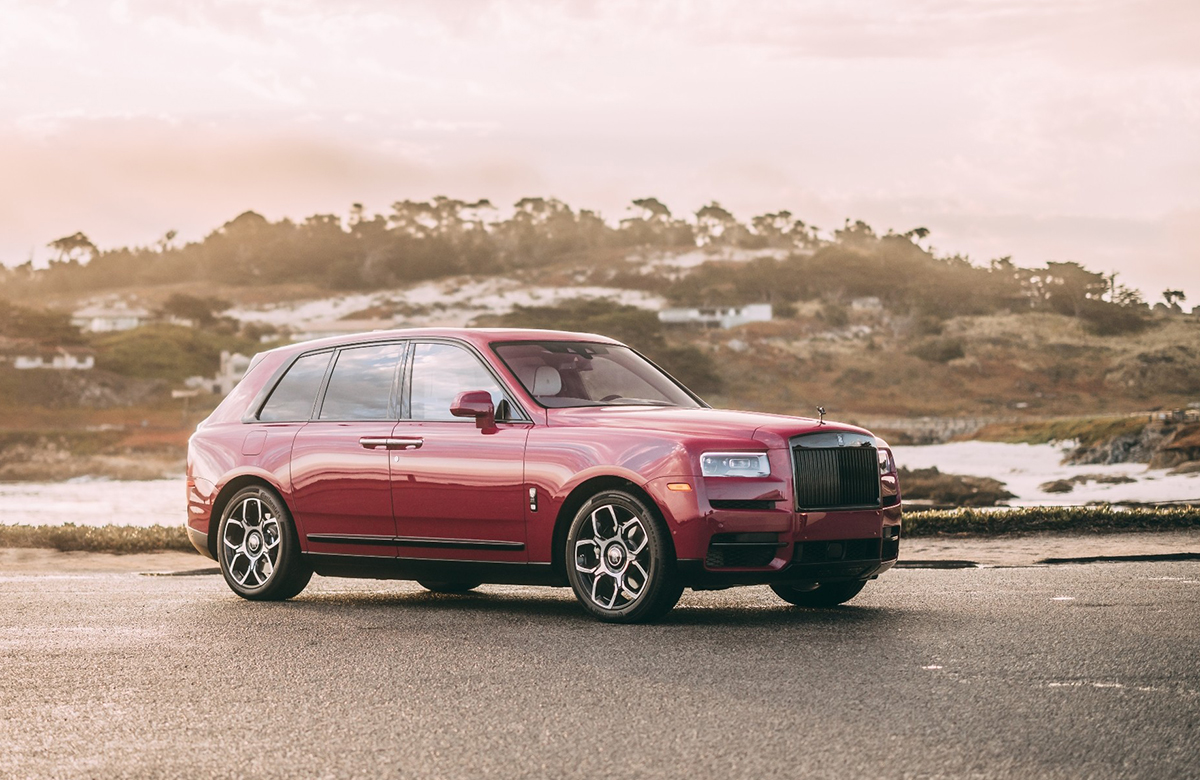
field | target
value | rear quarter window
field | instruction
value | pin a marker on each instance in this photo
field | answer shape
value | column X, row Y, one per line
column 293, row 398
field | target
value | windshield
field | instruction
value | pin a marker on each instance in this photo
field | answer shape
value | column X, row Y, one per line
column 561, row 374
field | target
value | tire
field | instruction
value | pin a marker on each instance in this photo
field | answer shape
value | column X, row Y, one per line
column 258, row 548
column 620, row 561
column 829, row 594
column 448, row 587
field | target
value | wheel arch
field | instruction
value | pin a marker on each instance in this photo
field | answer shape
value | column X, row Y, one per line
column 579, row 496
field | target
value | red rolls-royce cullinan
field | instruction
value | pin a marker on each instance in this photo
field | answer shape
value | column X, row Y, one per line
column 457, row 457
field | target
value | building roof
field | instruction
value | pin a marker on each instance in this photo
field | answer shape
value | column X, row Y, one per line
column 109, row 312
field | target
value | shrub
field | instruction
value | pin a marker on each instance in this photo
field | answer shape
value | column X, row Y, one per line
column 938, row 350
column 989, row 522
column 166, row 352
column 1109, row 319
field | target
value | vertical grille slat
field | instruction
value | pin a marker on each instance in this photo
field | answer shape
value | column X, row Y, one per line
column 836, row 477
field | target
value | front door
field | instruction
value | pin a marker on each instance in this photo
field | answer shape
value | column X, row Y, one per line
column 341, row 477
column 457, row 491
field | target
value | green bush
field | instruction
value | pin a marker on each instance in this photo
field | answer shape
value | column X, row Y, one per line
column 166, row 352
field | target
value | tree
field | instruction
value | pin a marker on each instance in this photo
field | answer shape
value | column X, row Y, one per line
column 72, row 249
column 1068, row 285
column 714, row 223
column 858, row 232
column 167, row 242
column 1174, row 298
column 202, row 311
column 654, row 208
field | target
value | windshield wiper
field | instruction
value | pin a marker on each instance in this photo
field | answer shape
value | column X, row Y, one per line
column 638, row 402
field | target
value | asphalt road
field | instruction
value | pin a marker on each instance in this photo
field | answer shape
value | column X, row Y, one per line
column 1064, row 671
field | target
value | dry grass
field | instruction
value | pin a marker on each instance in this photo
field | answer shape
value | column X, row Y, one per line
column 1088, row 431
column 1082, row 520
column 120, row 539
column 1029, row 365
column 963, row 522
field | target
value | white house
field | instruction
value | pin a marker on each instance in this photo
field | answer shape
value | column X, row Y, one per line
column 60, row 358
column 104, row 319
column 233, row 368
column 722, row 316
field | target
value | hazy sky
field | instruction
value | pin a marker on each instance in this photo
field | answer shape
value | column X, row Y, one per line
column 1044, row 129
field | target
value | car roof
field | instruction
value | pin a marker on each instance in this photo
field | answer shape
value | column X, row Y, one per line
column 480, row 337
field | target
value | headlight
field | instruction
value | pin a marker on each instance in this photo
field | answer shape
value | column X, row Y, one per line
column 887, row 464
column 735, row 464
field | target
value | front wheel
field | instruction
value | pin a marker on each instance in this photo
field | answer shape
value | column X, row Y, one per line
column 829, row 594
column 620, row 561
column 259, row 550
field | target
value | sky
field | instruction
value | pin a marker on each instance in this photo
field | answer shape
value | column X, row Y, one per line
column 1041, row 129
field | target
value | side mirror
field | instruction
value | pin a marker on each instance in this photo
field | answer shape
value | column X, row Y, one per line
column 477, row 404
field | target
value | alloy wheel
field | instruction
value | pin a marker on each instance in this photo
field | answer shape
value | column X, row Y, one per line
column 250, row 543
column 612, row 555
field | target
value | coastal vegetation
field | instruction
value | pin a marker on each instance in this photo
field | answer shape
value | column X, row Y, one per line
column 929, row 523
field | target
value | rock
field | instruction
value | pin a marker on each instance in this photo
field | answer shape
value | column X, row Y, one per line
column 951, row 489
column 1129, row 448
column 1190, row 467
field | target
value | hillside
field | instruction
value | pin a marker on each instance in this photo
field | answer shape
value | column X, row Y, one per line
column 876, row 328
column 861, row 362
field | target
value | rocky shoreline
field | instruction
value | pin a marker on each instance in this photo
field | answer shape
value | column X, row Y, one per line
column 1162, row 444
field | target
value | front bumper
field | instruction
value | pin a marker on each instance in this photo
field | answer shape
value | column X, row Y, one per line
column 722, row 547
column 697, row 576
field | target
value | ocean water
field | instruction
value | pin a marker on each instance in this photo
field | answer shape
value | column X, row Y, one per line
column 1022, row 467
column 87, row 501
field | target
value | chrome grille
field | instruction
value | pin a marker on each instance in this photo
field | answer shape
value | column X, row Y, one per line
column 836, row 477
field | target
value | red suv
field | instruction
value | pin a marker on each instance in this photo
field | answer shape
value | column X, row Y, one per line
column 456, row 457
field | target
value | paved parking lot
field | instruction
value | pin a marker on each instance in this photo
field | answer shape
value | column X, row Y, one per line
column 1062, row 671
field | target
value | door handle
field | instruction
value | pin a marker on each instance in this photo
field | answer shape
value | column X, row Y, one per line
column 391, row 443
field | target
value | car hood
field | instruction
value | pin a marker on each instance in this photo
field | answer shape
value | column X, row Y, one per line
column 772, row 429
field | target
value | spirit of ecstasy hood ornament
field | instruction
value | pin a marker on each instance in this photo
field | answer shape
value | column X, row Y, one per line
column 821, row 412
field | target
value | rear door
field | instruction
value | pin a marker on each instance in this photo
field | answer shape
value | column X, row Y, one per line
column 457, row 491
column 340, row 470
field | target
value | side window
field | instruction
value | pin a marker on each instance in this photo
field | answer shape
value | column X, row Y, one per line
column 360, row 387
column 294, row 396
column 439, row 373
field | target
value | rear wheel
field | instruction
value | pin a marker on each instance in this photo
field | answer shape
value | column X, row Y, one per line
column 448, row 587
column 258, row 548
column 829, row 594
column 619, row 560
